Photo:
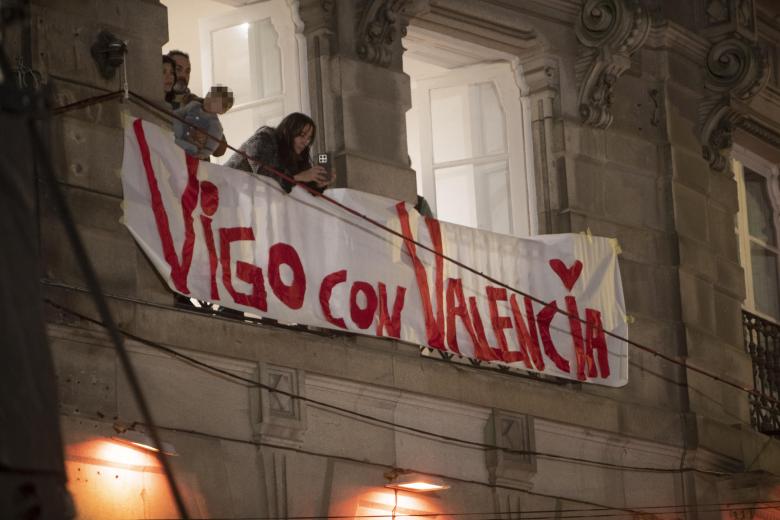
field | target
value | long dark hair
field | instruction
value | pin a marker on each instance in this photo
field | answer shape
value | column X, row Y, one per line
column 167, row 59
column 292, row 126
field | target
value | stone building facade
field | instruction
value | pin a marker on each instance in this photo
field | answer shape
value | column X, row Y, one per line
column 632, row 112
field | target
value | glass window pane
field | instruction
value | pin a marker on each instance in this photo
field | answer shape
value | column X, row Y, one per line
column 455, row 201
column 230, row 60
column 474, row 195
column 765, row 280
column 492, row 194
column 266, row 58
column 759, row 208
column 238, row 125
column 247, row 58
column 450, row 124
column 493, row 121
column 467, row 121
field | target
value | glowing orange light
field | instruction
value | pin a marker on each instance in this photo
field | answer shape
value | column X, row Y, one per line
column 122, row 454
column 384, row 505
column 109, row 479
column 421, row 486
column 416, row 482
column 143, row 441
column 145, row 446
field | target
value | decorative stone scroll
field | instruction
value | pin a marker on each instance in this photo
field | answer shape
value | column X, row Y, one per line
column 377, row 31
column 614, row 30
column 736, row 71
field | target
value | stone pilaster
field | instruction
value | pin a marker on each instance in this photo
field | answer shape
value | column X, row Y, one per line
column 359, row 92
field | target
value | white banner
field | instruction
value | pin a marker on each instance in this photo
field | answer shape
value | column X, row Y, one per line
column 238, row 240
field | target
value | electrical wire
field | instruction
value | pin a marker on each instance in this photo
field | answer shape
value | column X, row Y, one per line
column 81, row 83
column 483, row 446
column 85, row 265
column 84, row 103
column 138, row 99
column 522, row 514
column 680, row 362
column 325, row 333
column 345, row 458
column 595, row 511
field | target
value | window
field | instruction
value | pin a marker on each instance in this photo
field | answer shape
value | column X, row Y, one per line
column 259, row 53
column 757, row 228
column 467, row 136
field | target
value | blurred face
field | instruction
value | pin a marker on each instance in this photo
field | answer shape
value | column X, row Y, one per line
column 183, row 70
column 303, row 139
column 216, row 103
column 168, row 77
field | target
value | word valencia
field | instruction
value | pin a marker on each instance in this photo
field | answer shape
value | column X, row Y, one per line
column 520, row 327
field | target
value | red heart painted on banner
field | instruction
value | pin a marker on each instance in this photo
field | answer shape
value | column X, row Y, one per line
column 568, row 275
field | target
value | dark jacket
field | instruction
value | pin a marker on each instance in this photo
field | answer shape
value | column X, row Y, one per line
column 263, row 148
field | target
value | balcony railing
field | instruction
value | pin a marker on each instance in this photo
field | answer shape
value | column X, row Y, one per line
column 762, row 342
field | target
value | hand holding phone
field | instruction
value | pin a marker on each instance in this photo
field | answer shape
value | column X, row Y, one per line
column 323, row 159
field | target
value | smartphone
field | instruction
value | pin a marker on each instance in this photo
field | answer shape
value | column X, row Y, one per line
column 323, row 159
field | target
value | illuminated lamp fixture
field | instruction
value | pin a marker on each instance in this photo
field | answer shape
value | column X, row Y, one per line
column 143, row 441
column 402, row 480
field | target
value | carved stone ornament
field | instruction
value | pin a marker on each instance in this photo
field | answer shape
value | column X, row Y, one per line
column 377, row 31
column 736, row 71
column 614, row 30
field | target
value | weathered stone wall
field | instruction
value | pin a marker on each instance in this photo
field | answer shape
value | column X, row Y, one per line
column 640, row 179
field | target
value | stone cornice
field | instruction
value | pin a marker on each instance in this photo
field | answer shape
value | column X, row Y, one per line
column 764, row 133
column 674, row 37
column 761, row 117
column 563, row 11
column 492, row 25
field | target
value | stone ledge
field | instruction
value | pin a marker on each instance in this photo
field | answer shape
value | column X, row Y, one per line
column 390, row 364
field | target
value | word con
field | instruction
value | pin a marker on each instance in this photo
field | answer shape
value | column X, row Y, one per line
column 368, row 304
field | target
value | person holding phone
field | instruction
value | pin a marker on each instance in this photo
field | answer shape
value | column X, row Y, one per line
column 286, row 149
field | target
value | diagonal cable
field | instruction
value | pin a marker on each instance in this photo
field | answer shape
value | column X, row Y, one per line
column 421, row 431
column 88, row 271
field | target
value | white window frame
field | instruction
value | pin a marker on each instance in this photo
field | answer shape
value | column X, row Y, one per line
column 522, row 198
column 741, row 158
column 284, row 16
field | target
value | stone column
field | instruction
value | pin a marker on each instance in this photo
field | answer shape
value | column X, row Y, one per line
column 359, row 92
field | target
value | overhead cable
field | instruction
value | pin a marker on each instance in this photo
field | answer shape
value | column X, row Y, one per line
column 480, row 445
column 142, row 101
column 85, row 265
column 596, row 510
column 681, row 362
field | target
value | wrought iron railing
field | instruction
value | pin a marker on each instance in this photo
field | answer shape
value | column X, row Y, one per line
column 762, row 342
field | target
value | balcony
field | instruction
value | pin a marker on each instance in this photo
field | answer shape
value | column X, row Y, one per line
column 762, row 342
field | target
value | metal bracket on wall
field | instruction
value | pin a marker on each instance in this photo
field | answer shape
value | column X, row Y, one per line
column 109, row 53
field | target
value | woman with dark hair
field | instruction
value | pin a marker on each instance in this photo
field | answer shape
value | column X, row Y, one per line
column 169, row 77
column 285, row 148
